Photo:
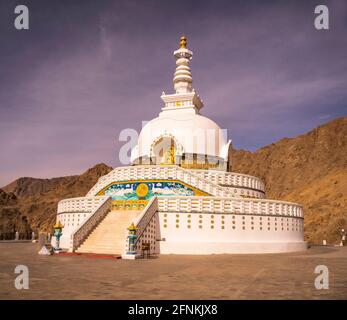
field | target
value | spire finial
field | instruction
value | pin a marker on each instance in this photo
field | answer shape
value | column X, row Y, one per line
column 183, row 77
column 183, row 42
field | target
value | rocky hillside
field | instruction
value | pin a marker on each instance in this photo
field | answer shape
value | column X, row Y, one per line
column 310, row 169
column 26, row 186
column 32, row 203
column 11, row 219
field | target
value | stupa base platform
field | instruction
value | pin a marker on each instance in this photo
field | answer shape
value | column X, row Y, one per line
column 205, row 248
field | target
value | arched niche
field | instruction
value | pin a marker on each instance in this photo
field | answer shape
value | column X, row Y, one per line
column 165, row 150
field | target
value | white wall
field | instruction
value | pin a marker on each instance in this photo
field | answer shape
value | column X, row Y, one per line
column 229, row 233
column 71, row 221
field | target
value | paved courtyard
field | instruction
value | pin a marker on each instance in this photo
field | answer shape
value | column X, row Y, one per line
column 268, row 276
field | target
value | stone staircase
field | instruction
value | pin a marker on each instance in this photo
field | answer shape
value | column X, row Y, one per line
column 109, row 237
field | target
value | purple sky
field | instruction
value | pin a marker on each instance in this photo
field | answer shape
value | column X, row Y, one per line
column 87, row 69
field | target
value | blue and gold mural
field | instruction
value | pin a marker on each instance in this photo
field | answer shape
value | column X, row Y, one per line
column 144, row 190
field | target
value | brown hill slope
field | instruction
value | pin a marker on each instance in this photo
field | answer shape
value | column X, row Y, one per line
column 11, row 219
column 325, row 205
column 310, row 169
column 27, row 186
column 37, row 198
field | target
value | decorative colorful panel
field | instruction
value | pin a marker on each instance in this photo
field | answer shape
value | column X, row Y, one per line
column 133, row 190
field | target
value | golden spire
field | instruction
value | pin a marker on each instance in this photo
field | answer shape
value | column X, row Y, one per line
column 183, row 42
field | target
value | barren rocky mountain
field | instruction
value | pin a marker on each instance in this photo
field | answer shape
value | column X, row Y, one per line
column 25, row 186
column 36, row 202
column 11, row 219
column 310, row 169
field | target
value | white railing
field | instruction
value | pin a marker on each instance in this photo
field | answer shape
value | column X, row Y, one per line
column 230, row 206
column 166, row 173
column 81, row 204
column 82, row 232
column 144, row 219
column 231, row 179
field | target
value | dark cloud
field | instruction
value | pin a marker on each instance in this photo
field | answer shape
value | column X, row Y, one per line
column 87, row 69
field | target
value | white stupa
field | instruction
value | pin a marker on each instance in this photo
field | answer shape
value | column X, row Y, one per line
column 179, row 194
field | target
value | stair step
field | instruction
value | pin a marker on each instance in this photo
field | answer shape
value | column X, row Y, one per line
column 111, row 234
column 102, row 246
column 107, row 237
column 102, row 252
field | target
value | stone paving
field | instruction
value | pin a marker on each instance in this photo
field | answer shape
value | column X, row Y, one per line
column 267, row 276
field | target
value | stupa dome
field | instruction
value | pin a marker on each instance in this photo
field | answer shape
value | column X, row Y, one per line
column 192, row 133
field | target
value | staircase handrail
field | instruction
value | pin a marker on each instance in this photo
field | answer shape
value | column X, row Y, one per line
column 84, row 230
column 145, row 218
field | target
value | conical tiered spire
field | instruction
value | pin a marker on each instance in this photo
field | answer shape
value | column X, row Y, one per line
column 183, row 78
column 185, row 98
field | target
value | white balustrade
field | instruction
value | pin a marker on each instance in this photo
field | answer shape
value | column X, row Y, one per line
column 80, row 204
column 98, row 209
column 144, row 220
column 231, row 179
column 228, row 206
column 206, row 180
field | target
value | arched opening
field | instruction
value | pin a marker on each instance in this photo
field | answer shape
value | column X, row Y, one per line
column 164, row 151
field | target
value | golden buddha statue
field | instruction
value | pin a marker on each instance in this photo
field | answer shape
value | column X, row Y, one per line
column 169, row 156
